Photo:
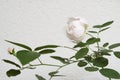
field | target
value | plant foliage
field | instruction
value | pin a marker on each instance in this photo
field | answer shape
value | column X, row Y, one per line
column 91, row 58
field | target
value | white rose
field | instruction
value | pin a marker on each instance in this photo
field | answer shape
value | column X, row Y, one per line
column 76, row 29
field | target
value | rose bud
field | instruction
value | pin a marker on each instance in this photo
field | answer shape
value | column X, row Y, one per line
column 10, row 50
column 76, row 29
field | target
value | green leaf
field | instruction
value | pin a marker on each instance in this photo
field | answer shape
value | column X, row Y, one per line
column 82, row 63
column 10, row 62
column 26, row 57
column 88, row 58
column 47, row 51
column 58, row 75
column 105, row 52
column 39, row 77
column 114, row 45
column 105, row 44
column 97, row 26
column 117, row 54
column 93, row 31
column 100, row 62
column 53, row 73
column 103, row 25
column 107, row 24
column 104, row 29
column 91, row 69
column 46, row 46
column 110, row 73
column 81, row 53
column 80, row 44
column 20, row 45
column 92, row 40
column 63, row 60
column 13, row 72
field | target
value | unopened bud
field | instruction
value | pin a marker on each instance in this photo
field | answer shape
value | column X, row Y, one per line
column 10, row 50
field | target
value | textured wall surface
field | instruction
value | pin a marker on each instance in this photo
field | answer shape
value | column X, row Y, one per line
column 38, row 22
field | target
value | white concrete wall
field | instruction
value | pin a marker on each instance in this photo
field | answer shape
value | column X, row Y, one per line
column 39, row 22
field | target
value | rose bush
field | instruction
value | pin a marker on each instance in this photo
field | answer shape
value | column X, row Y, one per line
column 90, row 58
